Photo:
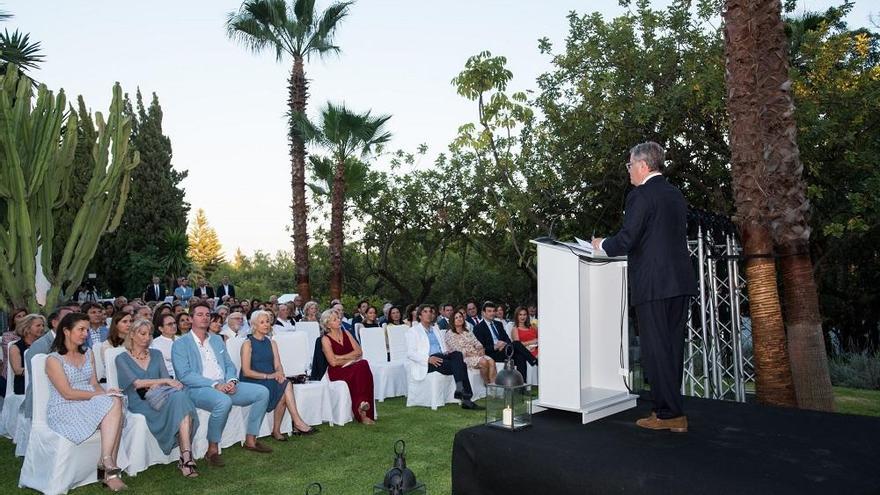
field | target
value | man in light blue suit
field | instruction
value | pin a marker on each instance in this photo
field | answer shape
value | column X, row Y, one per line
column 202, row 364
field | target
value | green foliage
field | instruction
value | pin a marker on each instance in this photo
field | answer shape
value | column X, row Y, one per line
column 856, row 370
column 17, row 49
column 205, row 249
column 158, row 206
column 38, row 142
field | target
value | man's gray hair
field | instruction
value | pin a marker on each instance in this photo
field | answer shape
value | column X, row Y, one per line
column 652, row 153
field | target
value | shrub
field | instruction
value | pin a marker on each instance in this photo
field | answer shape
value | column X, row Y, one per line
column 856, row 370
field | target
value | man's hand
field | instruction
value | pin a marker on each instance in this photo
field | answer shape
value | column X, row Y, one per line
column 435, row 361
column 597, row 243
column 500, row 345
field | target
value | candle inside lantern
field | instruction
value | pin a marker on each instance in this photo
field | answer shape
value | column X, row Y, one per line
column 507, row 416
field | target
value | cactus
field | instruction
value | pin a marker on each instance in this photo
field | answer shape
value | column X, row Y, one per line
column 37, row 143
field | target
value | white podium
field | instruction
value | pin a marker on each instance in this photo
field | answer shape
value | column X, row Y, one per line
column 583, row 331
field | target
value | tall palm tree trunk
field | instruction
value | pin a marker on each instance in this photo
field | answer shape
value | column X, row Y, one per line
column 337, row 202
column 298, row 90
column 789, row 208
column 772, row 368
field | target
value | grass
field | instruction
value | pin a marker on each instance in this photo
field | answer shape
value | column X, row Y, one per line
column 857, row 401
column 345, row 460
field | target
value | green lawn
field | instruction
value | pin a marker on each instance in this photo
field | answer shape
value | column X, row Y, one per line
column 345, row 460
column 857, row 401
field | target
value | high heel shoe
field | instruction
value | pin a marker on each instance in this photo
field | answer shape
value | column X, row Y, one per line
column 301, row 433
column 187, row 465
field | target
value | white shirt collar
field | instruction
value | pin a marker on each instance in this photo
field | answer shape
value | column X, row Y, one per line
column 649, row 177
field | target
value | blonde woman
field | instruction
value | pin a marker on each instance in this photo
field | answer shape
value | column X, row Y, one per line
column 30, row 328
column 261, row 364
column 143, row 377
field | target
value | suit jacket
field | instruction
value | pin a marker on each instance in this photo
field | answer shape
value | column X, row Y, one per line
column 209, row 291
column 418, row 350
column 443, row 323
column 484, row 335
column 472, row 321
column 188, row 362
column 150, row 293
column 654, row 237
column 220, row 291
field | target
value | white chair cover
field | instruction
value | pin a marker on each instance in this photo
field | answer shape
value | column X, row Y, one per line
column 100, row 367
column 389, row 379
column 313, row 398
column 339, row 408
column 313, row 331
column 53, row 464
column 233, row 347
column 397, row 342
column 532, row 374
column 12, row 401
column 23, row 428
column 137, row 442
column 478, row 388
column 434, row 391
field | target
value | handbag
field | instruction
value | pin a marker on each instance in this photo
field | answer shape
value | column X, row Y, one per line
column 156, row 397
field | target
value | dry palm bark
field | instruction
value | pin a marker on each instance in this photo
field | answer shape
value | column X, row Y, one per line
column 773, row 371
column 788, row 210
column 298, row 89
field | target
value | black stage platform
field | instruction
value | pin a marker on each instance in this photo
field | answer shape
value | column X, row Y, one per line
column 730, row 448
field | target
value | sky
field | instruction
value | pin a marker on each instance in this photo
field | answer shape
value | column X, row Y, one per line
column 224, row 106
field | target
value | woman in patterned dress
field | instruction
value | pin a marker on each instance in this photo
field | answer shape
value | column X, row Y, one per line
column 77, row 404
column 459, row 338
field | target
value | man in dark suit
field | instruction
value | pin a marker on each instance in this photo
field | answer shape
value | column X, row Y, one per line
column 472, row 318
column 654, row 237
column 203, row 290
column 224, row 288
column 155, row 291
column 495, row 341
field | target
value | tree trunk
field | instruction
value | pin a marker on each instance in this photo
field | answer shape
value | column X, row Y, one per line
column 772, row 368
column 337, row 203
column 298, row 94
column 789, row 208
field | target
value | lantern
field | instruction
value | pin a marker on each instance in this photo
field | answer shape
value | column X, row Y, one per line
column 509, row 399
column 399, row 480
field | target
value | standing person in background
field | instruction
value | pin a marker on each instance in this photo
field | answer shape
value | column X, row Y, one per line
column 225, row 288
column 654, row 239
column 155, row 291
column 183, row 291
column 204, row 291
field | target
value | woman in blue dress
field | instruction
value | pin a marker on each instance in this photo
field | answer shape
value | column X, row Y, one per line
column 141, row 369
column 78, row 405
column 260, row 363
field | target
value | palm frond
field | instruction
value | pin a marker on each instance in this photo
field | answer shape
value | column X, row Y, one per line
column 304, row 11
column 301, row 126
column 330, row 19
column 16, row 48
column 5, row 16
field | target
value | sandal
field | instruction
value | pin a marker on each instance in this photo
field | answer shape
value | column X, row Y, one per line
column 110, row 474
column 281, row 437
column 297, row 432
column 187, row 465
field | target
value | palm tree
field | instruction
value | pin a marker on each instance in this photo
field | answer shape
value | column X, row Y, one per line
column 295, row 31
column 788, row 210
column 750, row 176
column 346, row 135
column 175, row 255
column 17, row 49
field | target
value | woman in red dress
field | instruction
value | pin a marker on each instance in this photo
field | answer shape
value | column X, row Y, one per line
column 344, row 363
column 524, row 332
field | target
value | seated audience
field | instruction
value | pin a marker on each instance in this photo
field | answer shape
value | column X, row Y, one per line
column 361, row 312
column 344, row 361
column 234, row 326
column 524, row 332
column 216, row 326
column 41, row 346
column 170, row 414
column 78, row 405
column 261, row 364
column 184, row 323
column 427, row 353
column 371, row 318
column 119, row 326
column 459, row 338
column 412, row 315
column 30, row 328
column 395, row 316
column 167, row 335
column 283, row 323
column 494, row 338
column 501, row 314
column 143, row 313
column 201, row 362
column 310, row 311
column 98, row 329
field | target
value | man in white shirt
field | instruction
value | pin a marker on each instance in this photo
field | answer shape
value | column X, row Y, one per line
column 202, row 364
column 282, row 321
column 427, row 353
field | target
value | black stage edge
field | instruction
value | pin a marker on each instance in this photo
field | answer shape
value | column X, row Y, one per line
column 730, row 448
